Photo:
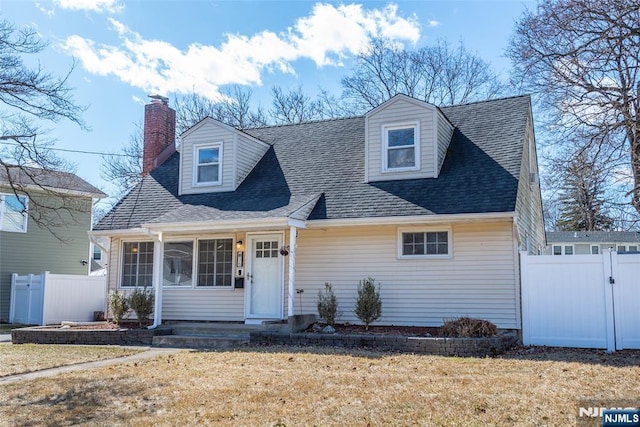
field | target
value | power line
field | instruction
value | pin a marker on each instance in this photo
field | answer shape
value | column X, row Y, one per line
column 78, row 151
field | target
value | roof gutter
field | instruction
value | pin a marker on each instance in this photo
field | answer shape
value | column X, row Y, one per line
column 225, row 225
column 414, row 219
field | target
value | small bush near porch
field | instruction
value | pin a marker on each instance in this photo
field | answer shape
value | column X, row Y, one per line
column 281, row 386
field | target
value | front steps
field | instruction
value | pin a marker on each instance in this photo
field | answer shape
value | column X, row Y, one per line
column 208, row 336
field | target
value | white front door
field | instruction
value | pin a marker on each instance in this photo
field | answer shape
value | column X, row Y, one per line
column 265, row 278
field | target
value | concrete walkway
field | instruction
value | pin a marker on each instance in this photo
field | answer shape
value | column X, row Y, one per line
column 5, row 337
column 147, row 354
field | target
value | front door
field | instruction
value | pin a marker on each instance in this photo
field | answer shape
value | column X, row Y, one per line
column 265, row 279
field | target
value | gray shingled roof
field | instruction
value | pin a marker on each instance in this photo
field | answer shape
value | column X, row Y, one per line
column 479, row 175
column 25, row 176
column 592, row 236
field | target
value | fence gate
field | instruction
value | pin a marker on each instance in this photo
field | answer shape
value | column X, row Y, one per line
column 27, row 296
column 581, row 300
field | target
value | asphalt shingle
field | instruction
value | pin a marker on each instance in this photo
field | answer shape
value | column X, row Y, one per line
column 326, row 158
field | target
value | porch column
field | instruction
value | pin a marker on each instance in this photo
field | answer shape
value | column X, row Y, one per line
column 158, row 255
column 293, row 234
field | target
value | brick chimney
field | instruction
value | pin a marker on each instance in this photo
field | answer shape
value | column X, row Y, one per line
column 159, row 133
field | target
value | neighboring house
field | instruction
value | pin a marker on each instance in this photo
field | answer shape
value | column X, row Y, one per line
column 25, row 246
column 434, row 203
column 591, row 242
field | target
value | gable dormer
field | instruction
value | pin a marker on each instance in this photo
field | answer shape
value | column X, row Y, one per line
column 405, row 139
column 215, row 157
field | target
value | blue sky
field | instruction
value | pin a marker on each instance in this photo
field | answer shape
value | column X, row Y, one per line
column 127, row 50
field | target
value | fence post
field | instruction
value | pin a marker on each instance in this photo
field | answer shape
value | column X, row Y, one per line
column 44, row 277
column 12, row 298
column 524, row 297
column 607, row 270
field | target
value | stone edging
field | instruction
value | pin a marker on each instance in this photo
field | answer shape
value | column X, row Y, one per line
column 469, row 347
column 44, row 335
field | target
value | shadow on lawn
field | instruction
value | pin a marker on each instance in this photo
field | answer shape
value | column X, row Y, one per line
column 84, row 400
column 621, row 358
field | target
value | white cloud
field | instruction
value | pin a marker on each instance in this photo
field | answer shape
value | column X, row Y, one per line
column 327, row 36
column 90, row 5
column 433, row 23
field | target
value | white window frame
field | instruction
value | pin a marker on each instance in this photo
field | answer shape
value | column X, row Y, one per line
column 196, row 262
column 196, row 151
column 563, row 249
column 194, row 265
column 385, row 146
column 121, row 262
column 25, row 213
column 429, row 229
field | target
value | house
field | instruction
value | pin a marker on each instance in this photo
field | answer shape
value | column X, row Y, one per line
column 591, row 242
column 248, row 225
column 37, row 197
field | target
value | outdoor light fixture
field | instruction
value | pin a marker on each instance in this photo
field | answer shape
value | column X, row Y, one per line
column 239, row 244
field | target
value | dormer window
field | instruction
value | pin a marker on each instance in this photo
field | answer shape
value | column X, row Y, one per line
column 207, row 169
column 401, row 147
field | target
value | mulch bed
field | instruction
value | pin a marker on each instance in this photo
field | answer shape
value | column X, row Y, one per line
column 412, row 331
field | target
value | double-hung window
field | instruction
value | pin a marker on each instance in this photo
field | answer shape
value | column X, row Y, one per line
column 401, row 148
column 13, row 213
column 215, row 262
column 207, row 164
column 425, row 243
column 137, row 264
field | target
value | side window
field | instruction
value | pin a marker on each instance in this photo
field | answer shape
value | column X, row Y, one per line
column 137, row 264
column 13, row 213
column 424, row 244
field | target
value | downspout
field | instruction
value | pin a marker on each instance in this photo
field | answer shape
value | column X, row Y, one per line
column 158, row 254
column 293, row 234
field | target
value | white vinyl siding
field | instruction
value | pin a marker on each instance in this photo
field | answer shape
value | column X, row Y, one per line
column 400, row 111
column 445, row 133
column 479, row 280
column 248, row 154
column 528, row 201
column 239, row 153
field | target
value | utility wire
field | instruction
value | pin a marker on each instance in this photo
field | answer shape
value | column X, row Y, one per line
column 78, row 151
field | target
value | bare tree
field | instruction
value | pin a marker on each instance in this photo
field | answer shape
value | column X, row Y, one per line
column 293, row 106
column 124, row 169
column 30, row 96
column 234, row 108
column 582, row 57
column 437, row 74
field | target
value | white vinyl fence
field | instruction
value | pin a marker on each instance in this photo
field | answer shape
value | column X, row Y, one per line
column 586, row 301
column 45, row 299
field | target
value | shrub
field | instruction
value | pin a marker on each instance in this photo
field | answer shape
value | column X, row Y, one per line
column 369, row 305
column 468, row 327
column 118, row 305
column 328, row 304
column 141, row 301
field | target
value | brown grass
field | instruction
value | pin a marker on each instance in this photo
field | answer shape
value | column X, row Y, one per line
column 284, row 386
column 23, row 358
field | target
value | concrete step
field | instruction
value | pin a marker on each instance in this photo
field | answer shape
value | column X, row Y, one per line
column 204, row 342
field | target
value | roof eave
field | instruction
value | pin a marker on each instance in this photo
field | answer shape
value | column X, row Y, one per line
column 414, row 219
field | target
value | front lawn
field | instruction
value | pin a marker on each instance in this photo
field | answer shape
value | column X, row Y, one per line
column 285, row 386
column 23, row 358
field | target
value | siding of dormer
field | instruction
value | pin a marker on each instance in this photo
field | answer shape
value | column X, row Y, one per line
column 528, row 202
column 208, row 133
column 401, row 111
column 445, row 131
column 248, row 154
